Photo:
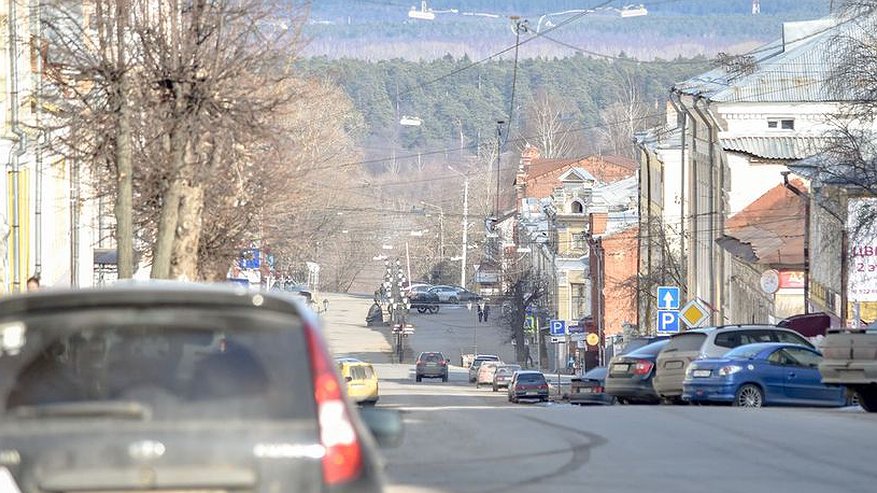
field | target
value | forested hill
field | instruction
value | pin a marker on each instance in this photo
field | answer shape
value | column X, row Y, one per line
column 457, row 100
column 381, row 29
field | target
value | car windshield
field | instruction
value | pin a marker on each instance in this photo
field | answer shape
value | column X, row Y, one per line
column 531, row 378
column 745, row 352
column 691, row 341
column 177, row 364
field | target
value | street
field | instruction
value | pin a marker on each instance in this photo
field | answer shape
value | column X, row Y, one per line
column 459, row 439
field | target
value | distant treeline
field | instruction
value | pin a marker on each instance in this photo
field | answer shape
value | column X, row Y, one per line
column 456, row 100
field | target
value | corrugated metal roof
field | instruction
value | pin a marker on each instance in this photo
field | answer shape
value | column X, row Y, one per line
column 796, row 72
column 778, row 147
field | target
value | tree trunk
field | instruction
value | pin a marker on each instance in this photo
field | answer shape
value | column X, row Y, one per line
column 168, row 220
column 124, row 208
column 188, row 233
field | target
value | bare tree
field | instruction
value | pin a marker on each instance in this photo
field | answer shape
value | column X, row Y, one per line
column 550, row 124
column 523, row 288
column 624, row 118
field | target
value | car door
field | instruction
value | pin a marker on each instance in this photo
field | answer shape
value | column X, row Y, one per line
column 773, row 375
column 803, row 381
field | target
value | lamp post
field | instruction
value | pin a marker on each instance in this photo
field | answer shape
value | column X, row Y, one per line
column 441, row 226
column 465, row 225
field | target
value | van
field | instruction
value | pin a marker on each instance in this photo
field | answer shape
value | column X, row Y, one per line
column 711, row 342
column 361, row 380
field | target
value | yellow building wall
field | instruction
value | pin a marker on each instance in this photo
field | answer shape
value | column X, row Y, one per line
column 23, row 228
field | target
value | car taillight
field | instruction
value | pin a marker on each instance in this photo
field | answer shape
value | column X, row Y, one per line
column 418, row 362
column 444, row 363
column 643, row 367
column 342, row 460
column 543, row 386
column 598, row 390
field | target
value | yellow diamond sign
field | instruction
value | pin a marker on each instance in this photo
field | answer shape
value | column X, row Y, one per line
column 694, row 314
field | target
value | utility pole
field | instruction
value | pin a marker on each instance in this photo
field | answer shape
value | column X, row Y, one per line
column 499, row 125
column 465, row 225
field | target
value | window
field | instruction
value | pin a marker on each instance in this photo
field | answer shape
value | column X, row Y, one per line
column 728, row 339
column 782, row 124
column 578, row 301
column 754, row 336
column 772, row 124
column 576, row 207
column 803, row 357
column 691, row 341
column 790, row 338
column 779, row 357
column 579, row 241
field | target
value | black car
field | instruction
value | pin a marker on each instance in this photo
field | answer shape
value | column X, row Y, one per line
column 424, row 301
column 630, row 375
column 431, row 365
column 589, row 388
column 175, row 387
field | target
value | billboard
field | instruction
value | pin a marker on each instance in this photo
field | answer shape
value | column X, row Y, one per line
column 862, row 227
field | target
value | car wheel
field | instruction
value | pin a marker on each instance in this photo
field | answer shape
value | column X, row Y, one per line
column 453, row 299
column 749, row 395
column 418, row 378
column 421, row 309
column 868, row 398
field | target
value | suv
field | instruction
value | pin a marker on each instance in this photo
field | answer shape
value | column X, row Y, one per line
column 476, row 365
column 200, row 386
column 712, row 342
column 431, row 365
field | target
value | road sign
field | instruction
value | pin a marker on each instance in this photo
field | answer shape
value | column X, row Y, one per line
column 557, row 327
column 668, row 298
column 575, row 328
column 668, row 321
column 556, row 340
column 529, row 323
column 694, row 313
column 592, row 339
column 576, row 337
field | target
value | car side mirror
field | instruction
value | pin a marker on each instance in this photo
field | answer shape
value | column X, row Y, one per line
column 385, row 425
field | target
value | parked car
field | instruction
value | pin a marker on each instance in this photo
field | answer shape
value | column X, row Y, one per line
column 446, row 294
column 851, row 360
column 486, row 372
column 424, row 301
column 476, row 364
column 638, row 342
column 757, row 375
column 710, row 342
column 503, row 376
column 431, row 364
column 361, row 380
column 528, row 385
column 590, row 388
column 464, row 295
column 193, row 383
column 630, row 375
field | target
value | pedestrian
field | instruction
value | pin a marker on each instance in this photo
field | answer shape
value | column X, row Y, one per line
column 486, row 312
column 480, row 313
column 325, row 305
column 529, row 358
column 33, row 283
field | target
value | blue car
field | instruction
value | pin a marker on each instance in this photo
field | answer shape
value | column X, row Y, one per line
column 761, row 374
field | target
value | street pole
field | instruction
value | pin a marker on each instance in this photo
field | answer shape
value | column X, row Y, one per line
column 538, row 346
column 465, row 230
column 408, row 262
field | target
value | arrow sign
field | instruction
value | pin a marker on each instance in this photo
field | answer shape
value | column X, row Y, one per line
column 668, row 298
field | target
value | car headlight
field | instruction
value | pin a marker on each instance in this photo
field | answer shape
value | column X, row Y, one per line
column 690, row 369
column 728, row 370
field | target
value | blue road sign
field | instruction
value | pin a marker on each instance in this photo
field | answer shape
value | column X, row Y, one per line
column 668, row 298
column 557, row 327
column 668, row 321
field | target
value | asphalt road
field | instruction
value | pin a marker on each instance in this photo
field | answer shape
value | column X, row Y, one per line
column 459, row 439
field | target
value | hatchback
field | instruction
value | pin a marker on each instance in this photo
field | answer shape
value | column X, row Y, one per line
column 486, row 373
column 528, row 385
column 476, row 365
column 630, row 375
column 590, row 388
column 757, row 375
column 175, row 387
column 711, row 342
column 431, row 364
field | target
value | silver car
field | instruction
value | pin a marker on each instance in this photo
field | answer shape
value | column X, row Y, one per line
column 476, row 365
column 711, row 342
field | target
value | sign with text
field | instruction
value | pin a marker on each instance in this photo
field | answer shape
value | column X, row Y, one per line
column 862, row 228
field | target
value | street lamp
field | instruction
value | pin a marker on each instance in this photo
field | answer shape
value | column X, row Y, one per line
column 441, row 226
column 465, row 225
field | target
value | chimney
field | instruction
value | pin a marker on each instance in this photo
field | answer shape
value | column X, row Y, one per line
column 597, row 222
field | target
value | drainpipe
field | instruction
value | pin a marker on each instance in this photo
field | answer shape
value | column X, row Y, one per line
column 18, row 147
column 37, row 29
column 720, row 218
column 805, row 197
column 679, row 106
column 712, row 214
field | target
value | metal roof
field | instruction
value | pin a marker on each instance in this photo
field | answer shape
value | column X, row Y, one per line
column 775, row 147
column 795, row 70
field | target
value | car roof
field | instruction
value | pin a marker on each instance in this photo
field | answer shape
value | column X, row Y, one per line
column 150, row 294
column 486, row 356
column 764, row 346
column 530, row 372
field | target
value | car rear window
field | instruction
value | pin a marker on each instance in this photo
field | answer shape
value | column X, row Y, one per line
column 649, row 349
column 691, row 341
column 432, row 357
column 531, row 378
column 598, row 373
column 175, row 363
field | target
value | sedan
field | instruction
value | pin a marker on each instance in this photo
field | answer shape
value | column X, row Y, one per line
column 757, row 375
column 188, row 383
column 446, row 294
column 630, row 376
column 590, row 388
column 503, row 376
column 528, row 385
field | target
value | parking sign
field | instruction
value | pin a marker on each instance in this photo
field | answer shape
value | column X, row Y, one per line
column 668, row 321
column 557, row 327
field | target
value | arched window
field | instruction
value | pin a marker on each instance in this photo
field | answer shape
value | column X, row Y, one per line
column 576, row 207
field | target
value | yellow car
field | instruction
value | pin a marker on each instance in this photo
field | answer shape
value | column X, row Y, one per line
column 362, row 381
